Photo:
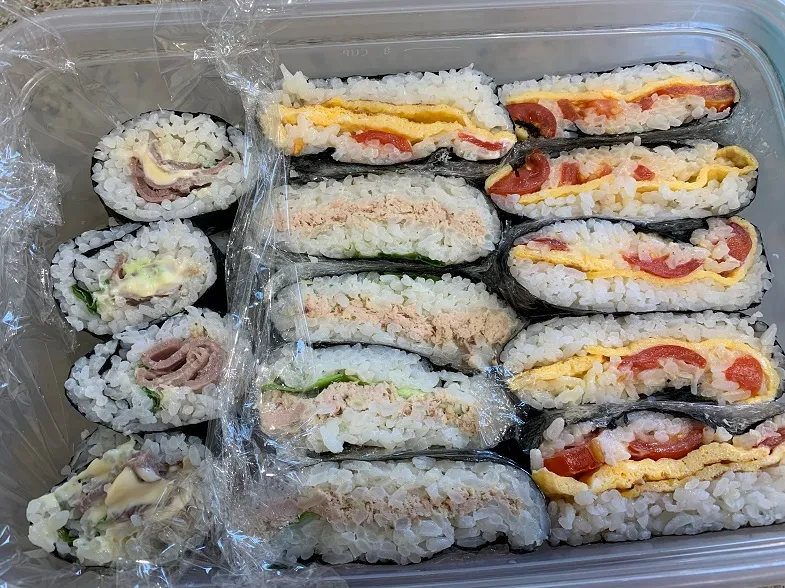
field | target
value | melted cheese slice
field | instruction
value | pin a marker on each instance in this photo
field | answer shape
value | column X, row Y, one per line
column 155, row 173
column 740, row 161
column 632, row 478
column 414, row 122
column 596, row 268
column 644, row 90
column 576, row 367
column 128, row 491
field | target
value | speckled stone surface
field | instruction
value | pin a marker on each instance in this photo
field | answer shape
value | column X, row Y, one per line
column 46, row 5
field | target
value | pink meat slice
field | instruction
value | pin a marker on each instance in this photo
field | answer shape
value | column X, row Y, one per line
column 192, row 363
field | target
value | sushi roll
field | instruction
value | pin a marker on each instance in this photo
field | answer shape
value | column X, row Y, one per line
column 450, row 320
column 438, row 220
column 405, row 511
column 163, row 165
column 136, row 498
column 605, row 266
column 649, row 473
column 628, row 181
column 391, row 119
column 131, row 275
column 345, row 396
column 627, row 100
column 154, row 378
column 587, row 360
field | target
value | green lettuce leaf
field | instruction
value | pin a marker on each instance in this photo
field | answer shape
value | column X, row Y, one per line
column 316, row 387
column 154, row 396
column 86, row 297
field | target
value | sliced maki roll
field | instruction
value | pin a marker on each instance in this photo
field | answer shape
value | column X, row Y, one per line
column 628, row 181
column 340, row 397
column 405, row 511
column 136, row 498
column 131, row 275
column 438, row 220
column 163, row 165
column 154, row 378
column 450, row 320
column 607, row 266
column 626, row 100
column 649, row 473
column 587, row 360
column 391, row 119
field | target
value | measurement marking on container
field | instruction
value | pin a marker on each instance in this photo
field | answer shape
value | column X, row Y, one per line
column 355, row 52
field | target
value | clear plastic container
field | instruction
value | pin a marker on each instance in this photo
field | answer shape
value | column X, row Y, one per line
column 514, row 39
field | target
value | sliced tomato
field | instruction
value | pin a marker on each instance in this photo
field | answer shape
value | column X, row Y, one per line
column 772, row 442
column 573, row 461
column 646, row 102
column 526, row 179
column 717, row 97
column 652, row 358
column 676, row 447
column 740, row 243
column 568, row 110
column 534, row 115
column 489, row 145
column 551, row 243
column 600, row 172
column 402, row 144
column 642, row 173
column 569, row 173
column 659, row 267
column 747, row 372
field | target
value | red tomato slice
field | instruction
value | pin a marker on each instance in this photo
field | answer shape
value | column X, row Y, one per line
column 652, row 358
column 569, row 173
column 573, row 461
column 526, row 179
column 718, row 97
column 675, row 447
column 740, row 243
column 568, row 111
column 747, row 372
column 772, row 442
column 646, row 102
column 489, row 145
column 554, row 244
column 642, row 173
column 601, row 172
column 535, row 115
column 400, row 143
column 659, row 266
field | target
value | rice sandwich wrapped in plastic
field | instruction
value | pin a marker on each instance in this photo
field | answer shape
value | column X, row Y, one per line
column 422, row 217
column 609, row 266
column 595, row 359
column 650, row 473
column 154, row 378
column 125, row 498
column 626, row 100
column 391, row 119
column 342, row 397
column 450, row 320
column 131, row 275
column 628, row 181
column 163, row 165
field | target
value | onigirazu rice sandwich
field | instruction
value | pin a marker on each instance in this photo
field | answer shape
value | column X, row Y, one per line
column 391, row 119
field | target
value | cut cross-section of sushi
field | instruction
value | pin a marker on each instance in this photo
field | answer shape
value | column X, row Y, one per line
column 608, row 266
column 587, row 360
column 627, row 100
column 438, row 220
column 628, row 181
column 139, row 498
column 131, row 275
column 650, row 473
column 336, row 398
column 391, row 119
column 450, row 320
column 405, row 511
column 154, row 378
column 163, row 165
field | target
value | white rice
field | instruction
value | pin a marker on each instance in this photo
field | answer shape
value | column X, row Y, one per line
column 568, row 287
column 114, row 398
column 617, row 197
column 185, row 138
column 84, row 264
column 543, row 344
column 448, row 409
column 407, row 511
column 400, row 215
column 451, row 320
column 665, row 113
